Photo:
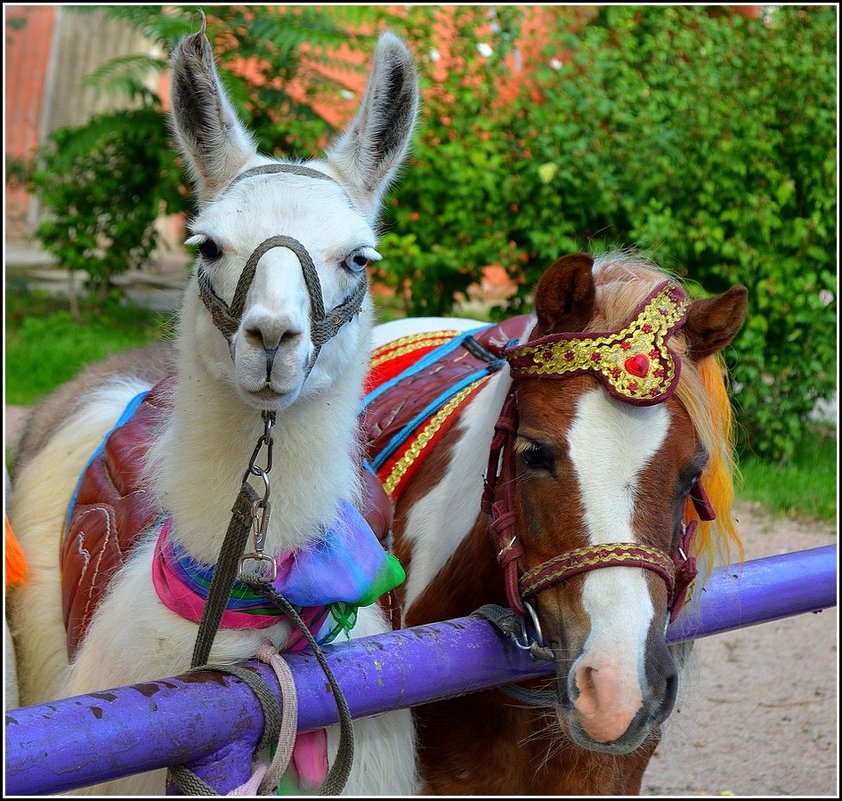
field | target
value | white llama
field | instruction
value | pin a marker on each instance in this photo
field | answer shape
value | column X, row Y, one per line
column 270, row 358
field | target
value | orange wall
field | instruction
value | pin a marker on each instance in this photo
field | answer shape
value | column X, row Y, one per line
column 27, row 60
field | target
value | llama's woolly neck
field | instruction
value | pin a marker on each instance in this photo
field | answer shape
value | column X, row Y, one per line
column 197, row 464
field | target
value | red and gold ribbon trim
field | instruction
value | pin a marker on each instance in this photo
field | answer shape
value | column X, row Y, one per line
column 635, row 364
column 582, row 560
column 399, row 468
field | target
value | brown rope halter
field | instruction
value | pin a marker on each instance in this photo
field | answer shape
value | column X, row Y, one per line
column 323, row 326
column 617, row 359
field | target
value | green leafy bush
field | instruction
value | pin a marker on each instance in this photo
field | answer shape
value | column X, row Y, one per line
column 103, row 185
column 710, row 142
column 705, row 139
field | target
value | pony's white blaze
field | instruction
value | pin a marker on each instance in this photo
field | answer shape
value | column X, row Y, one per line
column 610, row 443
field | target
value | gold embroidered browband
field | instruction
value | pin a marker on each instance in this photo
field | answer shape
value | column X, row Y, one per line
column 635, row 364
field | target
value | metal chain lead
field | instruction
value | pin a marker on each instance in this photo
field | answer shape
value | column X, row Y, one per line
column 267, row 567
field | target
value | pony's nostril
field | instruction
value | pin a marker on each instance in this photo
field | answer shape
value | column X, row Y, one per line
column 668, row 700
column 585, row 680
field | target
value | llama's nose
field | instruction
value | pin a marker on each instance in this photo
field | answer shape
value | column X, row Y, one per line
column 271, row 332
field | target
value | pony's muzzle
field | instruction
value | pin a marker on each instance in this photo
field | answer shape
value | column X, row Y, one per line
column 611, row 707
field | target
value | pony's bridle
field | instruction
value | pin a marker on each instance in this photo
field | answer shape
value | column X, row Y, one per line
column 323, row 325
column 635, row 365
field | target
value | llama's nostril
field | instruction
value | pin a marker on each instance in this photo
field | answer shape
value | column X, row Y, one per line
column 255, row 336
column 270, row 339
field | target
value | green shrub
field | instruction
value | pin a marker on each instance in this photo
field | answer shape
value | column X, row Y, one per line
column 705, row 139
column 103, row 186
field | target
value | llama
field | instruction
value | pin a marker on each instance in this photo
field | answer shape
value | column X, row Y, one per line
column 305, row 233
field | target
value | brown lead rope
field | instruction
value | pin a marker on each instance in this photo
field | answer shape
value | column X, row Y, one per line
column 225, row 574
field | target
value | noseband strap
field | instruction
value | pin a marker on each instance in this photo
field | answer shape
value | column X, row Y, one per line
column 582, row 560
column 322, row 326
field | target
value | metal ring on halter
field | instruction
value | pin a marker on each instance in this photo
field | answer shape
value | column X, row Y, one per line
column 526, row 644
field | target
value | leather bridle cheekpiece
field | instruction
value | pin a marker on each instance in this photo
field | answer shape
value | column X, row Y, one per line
column 323, row 325
column 635, row 365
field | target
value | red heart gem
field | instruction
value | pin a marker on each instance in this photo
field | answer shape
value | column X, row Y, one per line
column 637, row 365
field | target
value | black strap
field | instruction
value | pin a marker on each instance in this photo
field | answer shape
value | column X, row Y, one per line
column 495, row 362
column 225, row 573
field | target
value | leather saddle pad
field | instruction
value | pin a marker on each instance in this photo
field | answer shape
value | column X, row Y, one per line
column 112, row 509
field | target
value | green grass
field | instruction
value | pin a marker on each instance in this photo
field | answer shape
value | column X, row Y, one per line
column 805, row 487
column 45, row 346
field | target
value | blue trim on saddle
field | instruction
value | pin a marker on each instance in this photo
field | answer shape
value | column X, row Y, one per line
column 431, row 408
column 430, row 358
column 124, row 418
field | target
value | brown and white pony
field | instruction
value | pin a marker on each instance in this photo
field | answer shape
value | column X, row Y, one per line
column 607, row 437
column 276, row 321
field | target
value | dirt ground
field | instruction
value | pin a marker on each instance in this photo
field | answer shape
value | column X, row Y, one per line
column 758, row 712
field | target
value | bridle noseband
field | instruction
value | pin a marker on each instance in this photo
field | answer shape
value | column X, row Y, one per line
column 323, row 326
column 634, row 365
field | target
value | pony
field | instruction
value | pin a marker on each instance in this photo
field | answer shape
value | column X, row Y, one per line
column 270, row 351
column 568, row 465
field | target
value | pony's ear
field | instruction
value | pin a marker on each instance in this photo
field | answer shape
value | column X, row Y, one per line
column 564, row 297
column 211, row 137
column 373, row 146
column 712, row 323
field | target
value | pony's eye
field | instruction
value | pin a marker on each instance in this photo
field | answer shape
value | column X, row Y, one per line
column 537, row 457
column 210, row 250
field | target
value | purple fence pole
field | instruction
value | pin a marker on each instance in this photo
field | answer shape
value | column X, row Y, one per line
column 759, row 591
column 79, row 741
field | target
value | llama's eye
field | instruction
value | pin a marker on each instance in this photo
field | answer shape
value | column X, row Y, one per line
column 537, row 457
column 210, row 250
column 357, row 260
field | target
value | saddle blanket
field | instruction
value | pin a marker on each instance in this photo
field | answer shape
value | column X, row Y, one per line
column 416, row 389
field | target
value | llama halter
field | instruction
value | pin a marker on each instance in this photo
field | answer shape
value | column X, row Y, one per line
column 323, row 325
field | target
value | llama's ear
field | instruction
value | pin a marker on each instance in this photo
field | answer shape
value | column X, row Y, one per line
column 712, row 323
column 211, row 137
column 367, row 155
column 564, row 297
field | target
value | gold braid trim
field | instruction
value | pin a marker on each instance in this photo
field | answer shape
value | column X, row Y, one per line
column 613, row 552
column 407, row 344
column 427, row 433
column 635, row 361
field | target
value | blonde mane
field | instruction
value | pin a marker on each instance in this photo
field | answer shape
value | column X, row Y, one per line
column 623, row 280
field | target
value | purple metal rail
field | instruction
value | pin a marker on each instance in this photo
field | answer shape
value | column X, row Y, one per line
column 189, row 719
